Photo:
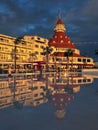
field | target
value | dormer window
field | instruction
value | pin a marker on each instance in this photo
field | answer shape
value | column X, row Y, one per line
column 62, row 41
column 60, row 36
column 55, row 36
column 54, row 42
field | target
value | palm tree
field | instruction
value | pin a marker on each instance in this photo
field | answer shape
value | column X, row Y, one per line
column 55, row 55
column 46, row 51
column 17, row 104
column 13, row 88
column 16, row 42
column 33, row 56
column 47, row 89
column 68, row 53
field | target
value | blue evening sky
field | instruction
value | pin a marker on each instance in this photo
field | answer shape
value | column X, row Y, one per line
column 38, row 17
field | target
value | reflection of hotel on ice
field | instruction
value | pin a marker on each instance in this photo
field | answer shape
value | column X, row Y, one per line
column 60, row 43
column 41, row 89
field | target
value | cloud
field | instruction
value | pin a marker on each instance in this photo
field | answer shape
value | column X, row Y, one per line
column 34, row 17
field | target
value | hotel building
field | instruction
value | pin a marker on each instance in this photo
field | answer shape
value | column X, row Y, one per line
column 28, row 53
column 62, row 44
column 7, row 54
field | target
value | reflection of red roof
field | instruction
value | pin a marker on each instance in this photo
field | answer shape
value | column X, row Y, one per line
column 60, row 39
column 60, row 100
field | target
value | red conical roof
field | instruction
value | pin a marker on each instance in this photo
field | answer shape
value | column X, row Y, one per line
column 59, row 21
column 60, row 39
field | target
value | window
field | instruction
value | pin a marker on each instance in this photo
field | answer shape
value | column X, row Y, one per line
column 79, row 81
column 84, row 80
column 58, row 59
column 36, row 52
column 1, row 39
column 34, row 88
column 36, row 46
column 35, row 95
column 62, row 41
column 88, row 80
column 41, row 53
column 88, row 60
column 37, row 102
column 42, row 87
column 29, row 52
column 58, row 80
column 32, row 38
column 84, row 60
column 38, row 38
column 41, row 47
column 22, row 51
column 79, row 60
column 42, row 94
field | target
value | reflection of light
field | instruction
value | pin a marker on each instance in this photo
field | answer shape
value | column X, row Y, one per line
column 65, row 74
column 60, row 114
column 76, row 89
column 75, row 66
